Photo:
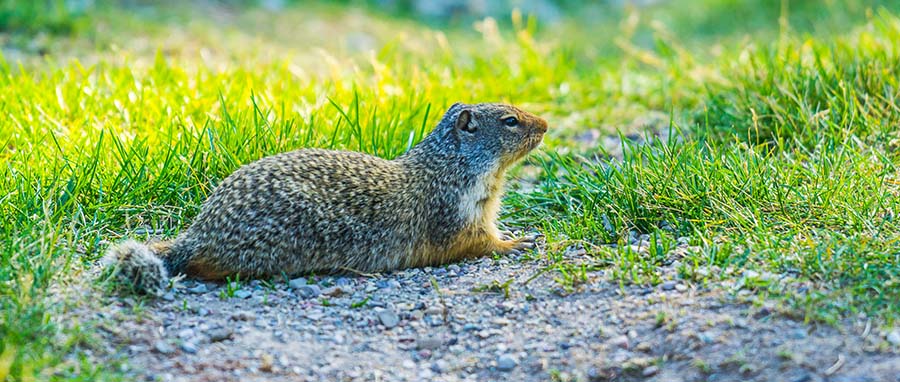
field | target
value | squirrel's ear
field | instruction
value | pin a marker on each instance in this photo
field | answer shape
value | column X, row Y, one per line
column 456, row 105
column 464, row 122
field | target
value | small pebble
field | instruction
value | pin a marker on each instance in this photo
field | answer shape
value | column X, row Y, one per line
column 189, row 347
column 243, row 316
column 650, row 371
column 266, row 362
column 335, row 291
column 894, row 337
column 388, row 318
column 797, row 334
column 668, row 285
column 643, row 347
column 308, row 291
column 343, row 281
column 428, row 343
column 506, row 363
column 169, row 296
column 297, row 283
column 163, row 347
column 440, row 366
column 242, row 294
column 220, row 334
column 620, row 341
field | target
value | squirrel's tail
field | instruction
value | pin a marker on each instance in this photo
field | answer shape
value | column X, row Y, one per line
column 138, row 266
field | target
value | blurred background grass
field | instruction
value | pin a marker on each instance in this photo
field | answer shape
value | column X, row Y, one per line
column 763, row 132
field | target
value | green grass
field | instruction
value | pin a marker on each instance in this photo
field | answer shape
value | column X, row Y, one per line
column 53, row 16
column 782, row 157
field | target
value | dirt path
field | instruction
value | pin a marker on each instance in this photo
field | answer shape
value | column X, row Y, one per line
column 313, row 330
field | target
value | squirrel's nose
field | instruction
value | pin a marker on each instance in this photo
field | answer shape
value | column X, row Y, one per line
column 541, row 125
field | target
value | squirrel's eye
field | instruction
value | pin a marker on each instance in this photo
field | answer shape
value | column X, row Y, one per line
column 510, row 121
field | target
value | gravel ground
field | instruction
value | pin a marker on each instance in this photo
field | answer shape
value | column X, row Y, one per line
column 458, row 323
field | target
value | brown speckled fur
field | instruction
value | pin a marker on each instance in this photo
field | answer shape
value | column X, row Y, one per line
column 323, row 211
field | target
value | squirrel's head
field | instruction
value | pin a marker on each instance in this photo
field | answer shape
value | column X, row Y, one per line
column 491, row 132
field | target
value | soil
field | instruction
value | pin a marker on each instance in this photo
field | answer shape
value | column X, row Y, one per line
column 501, row 319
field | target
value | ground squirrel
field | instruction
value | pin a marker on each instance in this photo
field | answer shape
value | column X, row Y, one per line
column 314, row 210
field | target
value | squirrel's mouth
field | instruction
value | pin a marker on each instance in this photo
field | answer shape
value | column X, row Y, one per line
column 531, row 143
column 534, row 141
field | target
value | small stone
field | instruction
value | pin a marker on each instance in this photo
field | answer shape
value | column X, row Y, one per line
column 434, row 320
column 894, row 337
column 506, row 363
column 335, row 291
column 169, row 296
column 680, row 287
column 189, row 347
column 668, row 285
column 186, row 333
column 243, row 316
column 388, row 318
column 266, row 361
column 242, row 294
column 650, row 371
column 163, row 347
column 297, row 283
column 620, row 341
column 470, row 327
column 440, row 366
column 308, row 291
column 220, row 334
column 797, row 334
column 428, row 343
column 200, row 288
column 203, row 311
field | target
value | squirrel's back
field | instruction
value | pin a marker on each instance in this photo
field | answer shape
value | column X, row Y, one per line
column 303, row 211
